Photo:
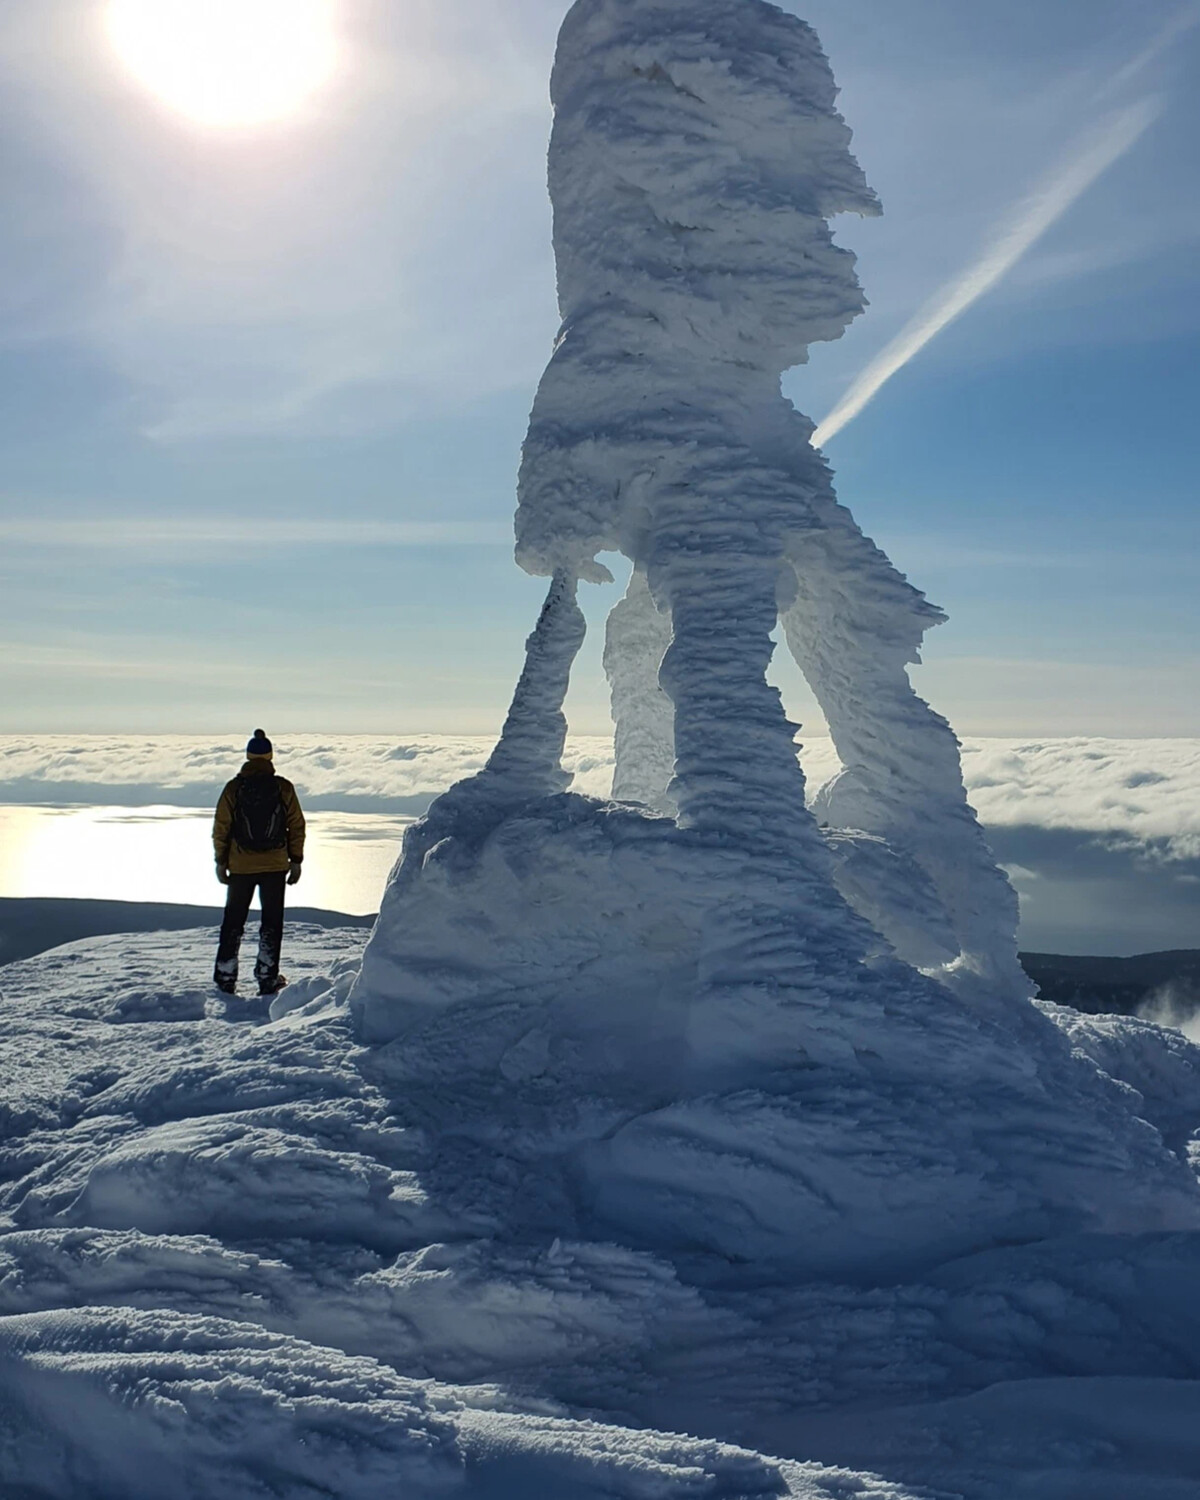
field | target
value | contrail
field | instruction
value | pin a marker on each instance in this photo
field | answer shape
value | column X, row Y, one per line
column 1098, row 151
column 1180, row 24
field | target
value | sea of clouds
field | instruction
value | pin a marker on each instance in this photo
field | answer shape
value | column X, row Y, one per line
column 334, row 773
column 1145, row 791
column 1141, row 791
column 1101, row 836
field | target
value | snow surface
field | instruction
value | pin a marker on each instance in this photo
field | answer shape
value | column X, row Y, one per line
column 242, row 1259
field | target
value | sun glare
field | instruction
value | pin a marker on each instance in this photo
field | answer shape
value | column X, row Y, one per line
column 227, row 63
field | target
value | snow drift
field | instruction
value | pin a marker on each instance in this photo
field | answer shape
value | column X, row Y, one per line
column 263, row 1260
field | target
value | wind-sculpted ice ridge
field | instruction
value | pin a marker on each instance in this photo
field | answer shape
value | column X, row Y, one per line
column 698, row 970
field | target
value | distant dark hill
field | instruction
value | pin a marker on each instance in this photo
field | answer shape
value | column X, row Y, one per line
column 1107, row 986
column 35, row 924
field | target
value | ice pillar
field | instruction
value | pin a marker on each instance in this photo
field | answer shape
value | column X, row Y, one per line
column 638, row 635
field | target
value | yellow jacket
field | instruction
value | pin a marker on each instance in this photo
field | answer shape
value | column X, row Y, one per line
column 240, row 861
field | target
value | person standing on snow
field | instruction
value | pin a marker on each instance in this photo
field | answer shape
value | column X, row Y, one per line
column 258, row 840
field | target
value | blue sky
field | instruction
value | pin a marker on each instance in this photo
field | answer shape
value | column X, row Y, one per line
column 299, row 360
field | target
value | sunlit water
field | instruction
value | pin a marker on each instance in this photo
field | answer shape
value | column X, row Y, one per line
column 165, row 854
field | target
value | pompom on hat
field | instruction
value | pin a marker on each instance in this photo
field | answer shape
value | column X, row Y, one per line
column 260, row 744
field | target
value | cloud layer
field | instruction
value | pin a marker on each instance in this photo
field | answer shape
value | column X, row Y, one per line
column 362, row 773
column 1101, row 836
column 1141, row 791
column 1144, row 791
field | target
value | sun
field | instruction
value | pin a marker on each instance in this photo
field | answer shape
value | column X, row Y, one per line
column 227, row 63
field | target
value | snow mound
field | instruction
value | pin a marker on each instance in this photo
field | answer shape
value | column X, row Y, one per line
column 244, row 1259
column 152, row 1402
column 695, row 1094
column 201, row 1290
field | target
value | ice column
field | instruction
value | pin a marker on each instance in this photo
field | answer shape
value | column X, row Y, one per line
column 854, row 627
column 527, row 761
column 696, row 159
column 637, row 639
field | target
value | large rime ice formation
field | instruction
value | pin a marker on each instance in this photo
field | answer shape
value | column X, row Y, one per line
column 720, row 1027
column 695, row 163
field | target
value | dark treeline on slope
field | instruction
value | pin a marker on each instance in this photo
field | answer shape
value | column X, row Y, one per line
column 1117, row 986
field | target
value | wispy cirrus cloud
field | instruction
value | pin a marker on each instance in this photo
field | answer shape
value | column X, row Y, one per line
column 1172, row 30
column 137, row 533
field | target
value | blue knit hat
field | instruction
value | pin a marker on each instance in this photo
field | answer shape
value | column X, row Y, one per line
column 260, row 744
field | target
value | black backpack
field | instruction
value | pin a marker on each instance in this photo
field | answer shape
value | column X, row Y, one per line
column 259, row 816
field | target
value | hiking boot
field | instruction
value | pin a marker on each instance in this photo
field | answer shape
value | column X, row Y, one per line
column 272, row 986
column 226, row 986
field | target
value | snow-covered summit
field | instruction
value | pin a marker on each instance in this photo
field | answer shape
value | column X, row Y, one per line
column 259, row 1259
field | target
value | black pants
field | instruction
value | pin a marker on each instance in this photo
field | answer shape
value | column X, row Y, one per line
column 270, row 935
